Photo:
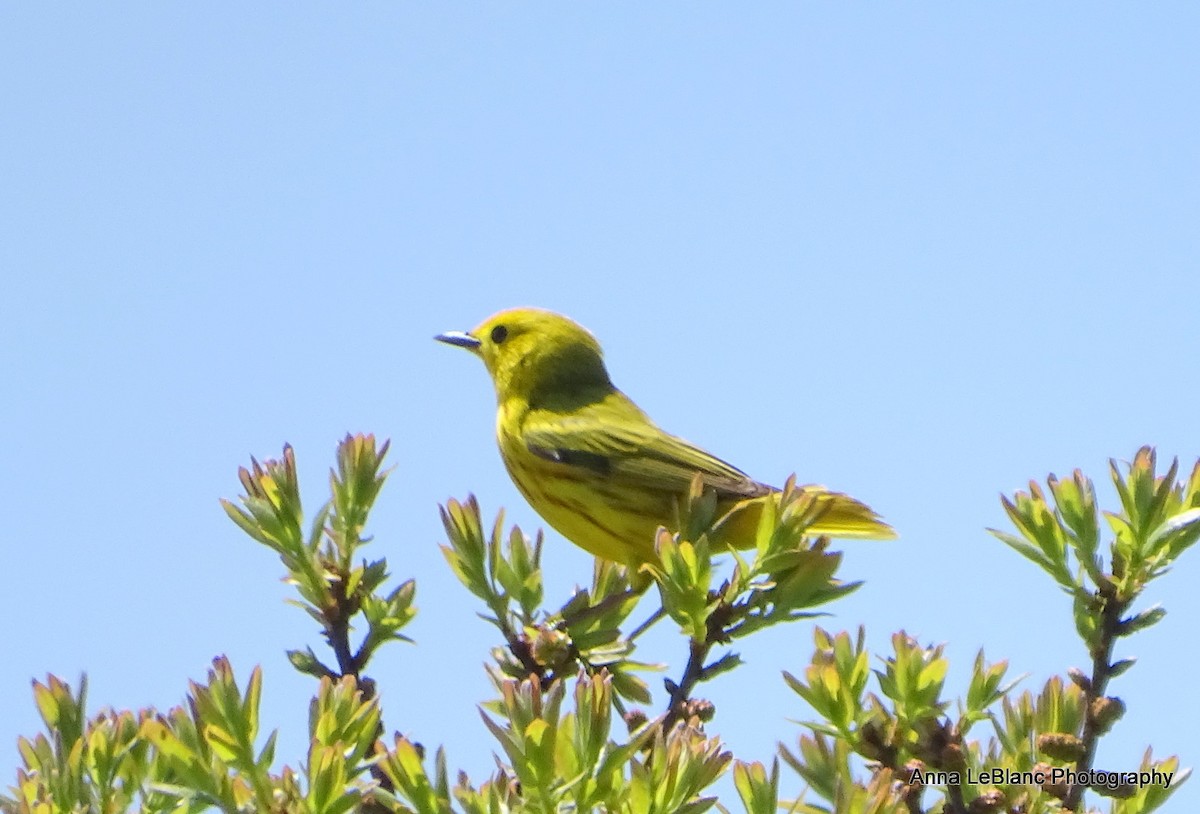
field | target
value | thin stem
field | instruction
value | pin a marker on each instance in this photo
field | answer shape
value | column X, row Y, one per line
column 337, row 633
column 337, row 627
column 698, row 652
column 619, row 705
column 518, row 645
column 716, row 631
column 954, row 799
column 646, row 625
column 1110, row 624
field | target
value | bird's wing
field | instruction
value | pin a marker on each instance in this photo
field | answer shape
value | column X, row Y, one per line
column 613, row 438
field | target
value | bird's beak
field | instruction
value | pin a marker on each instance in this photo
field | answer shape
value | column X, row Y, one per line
column 459, row 338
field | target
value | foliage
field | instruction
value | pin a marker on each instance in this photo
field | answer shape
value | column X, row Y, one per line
column 886, row 738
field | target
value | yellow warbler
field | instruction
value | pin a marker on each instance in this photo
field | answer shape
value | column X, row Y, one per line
column 595, row 466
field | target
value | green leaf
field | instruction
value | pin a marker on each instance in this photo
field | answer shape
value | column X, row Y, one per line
column 758, row 791
column 1120, row 666
column 1140, row 621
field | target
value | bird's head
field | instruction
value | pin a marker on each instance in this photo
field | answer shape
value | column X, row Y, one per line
column 534, row 355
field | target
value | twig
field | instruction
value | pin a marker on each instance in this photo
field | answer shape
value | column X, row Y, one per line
column 1110, row 624
column 913, row 803
column 337, row 634
column 954, row 799
column 716, row 631
column 646, row 625
column 677, row 703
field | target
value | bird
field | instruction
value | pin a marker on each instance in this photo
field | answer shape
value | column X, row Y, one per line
column 595, row 466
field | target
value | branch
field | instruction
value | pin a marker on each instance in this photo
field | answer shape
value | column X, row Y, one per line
column 1093, row 727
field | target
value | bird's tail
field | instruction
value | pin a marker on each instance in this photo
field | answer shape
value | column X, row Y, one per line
column 839, row 515
column 828, row 513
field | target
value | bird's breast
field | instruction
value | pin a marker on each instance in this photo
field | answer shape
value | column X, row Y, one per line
column 602, row 515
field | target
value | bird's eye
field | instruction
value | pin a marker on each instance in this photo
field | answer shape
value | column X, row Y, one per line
column 499, row 334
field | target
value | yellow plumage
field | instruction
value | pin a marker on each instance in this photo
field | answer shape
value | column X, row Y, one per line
column 595, row 466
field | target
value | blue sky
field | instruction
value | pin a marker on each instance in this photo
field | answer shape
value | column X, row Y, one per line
column 920, row 254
